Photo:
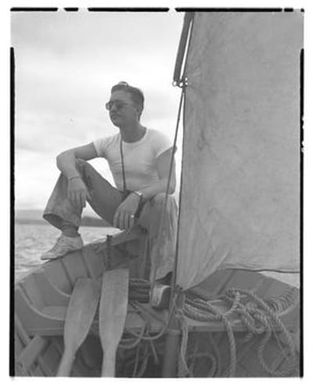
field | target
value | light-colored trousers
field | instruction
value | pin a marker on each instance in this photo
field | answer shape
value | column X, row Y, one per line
column 105, row 199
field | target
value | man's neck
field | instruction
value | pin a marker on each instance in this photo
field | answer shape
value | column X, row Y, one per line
column 132, row 133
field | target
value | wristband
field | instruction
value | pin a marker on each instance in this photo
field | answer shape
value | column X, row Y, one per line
column 138, row 193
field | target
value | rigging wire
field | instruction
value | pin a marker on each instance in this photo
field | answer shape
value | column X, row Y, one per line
column 161, row 227
column 180, row 80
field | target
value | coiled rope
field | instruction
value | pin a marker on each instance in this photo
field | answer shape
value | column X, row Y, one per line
column 202, row 311
column 271, row 321
column 260, row 317
column 139, row 290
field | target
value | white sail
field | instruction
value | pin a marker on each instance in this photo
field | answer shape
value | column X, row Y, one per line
column 240, row 192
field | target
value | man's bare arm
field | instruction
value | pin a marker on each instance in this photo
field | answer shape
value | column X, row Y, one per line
column 66, row 160
column 77, row 191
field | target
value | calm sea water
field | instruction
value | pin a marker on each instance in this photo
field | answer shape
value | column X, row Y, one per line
column 31, row 241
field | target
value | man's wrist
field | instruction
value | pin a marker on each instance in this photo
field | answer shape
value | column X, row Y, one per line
column 139, row 194
column 140, row 202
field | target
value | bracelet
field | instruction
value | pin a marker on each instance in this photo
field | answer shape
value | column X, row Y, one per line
column 73, row 177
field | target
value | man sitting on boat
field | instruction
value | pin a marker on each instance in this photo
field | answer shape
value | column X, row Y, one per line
column 139, row 159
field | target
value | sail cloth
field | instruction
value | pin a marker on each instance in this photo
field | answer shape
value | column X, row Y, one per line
column 240, row 191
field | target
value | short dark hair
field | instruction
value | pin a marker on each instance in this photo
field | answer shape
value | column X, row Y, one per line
column 135, row 93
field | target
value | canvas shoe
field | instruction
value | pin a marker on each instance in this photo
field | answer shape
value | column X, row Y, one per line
column 63, row 246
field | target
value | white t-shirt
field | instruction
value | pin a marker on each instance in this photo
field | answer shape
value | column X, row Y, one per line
column 139, row 158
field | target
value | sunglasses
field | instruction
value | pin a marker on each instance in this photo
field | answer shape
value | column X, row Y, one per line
column 118, row 104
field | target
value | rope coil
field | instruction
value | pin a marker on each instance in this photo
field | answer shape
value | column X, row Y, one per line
column 260, row 318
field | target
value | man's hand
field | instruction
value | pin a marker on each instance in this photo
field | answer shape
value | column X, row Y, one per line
column 77, row 192
column 124, row 217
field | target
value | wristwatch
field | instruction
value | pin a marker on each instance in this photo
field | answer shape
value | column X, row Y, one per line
column 139, row 207
column 139, row 193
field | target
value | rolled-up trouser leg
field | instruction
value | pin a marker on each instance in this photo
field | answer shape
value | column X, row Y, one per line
column 162, row 236
column 104, row 198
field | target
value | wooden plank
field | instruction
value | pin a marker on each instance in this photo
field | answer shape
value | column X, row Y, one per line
column 121, row 237
column 30, row 287
column 53, row 354
column 74, row 265
column 26, row 340
column 58, row 345
column 215, row 326
column 112, row 316
column 93, row 261
column 18, row 345
column 55, row 312
column 79, row 316
column 57, row 275
column 34, row 321
column 129, row 244
column 134, row 321
column 50, row 293
column 32, row 351
column 50, row 320
column 212, row 326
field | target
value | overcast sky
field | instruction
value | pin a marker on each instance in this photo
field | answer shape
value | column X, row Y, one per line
column 66, row 64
